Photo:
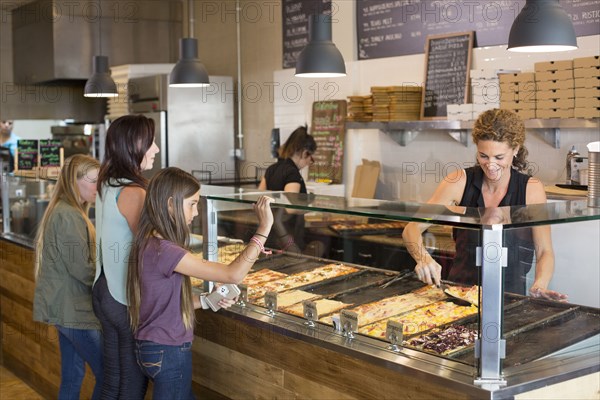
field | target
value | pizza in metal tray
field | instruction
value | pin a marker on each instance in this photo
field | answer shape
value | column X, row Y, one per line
column 324, row 306
column 428, row 317
column 262, row 276
column 289, row 298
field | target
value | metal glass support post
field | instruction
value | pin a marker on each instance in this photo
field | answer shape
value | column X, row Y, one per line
column 490, row 347
column 5, row 204
column 210, row 245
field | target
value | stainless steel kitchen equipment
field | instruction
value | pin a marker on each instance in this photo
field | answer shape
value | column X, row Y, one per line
column 79, row 138
column 194, row 126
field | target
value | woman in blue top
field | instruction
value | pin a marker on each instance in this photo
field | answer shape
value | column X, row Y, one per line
column 161, row 302
column 129, row 150
column 498, row 180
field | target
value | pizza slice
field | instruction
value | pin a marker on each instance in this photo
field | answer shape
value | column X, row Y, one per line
column 324, row 306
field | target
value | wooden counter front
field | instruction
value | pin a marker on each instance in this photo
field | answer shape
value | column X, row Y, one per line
column 244, row 361
column 29, row 349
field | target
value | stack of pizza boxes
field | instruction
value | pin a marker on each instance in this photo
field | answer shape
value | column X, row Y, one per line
column 517, row 93
column 555, row 89
column 587, row 87
column 485, row 90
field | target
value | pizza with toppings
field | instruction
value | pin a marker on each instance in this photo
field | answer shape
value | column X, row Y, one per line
column 468, row 293
column 324, row 306
column 262, row 276
column 444, row 341
column 422, row 319
column 385, row 308
column 319, row 274
column 288, row 298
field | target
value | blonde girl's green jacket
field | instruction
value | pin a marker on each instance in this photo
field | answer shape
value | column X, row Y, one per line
column 63, row 291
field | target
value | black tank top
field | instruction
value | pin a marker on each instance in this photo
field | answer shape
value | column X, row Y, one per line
column 518, row 241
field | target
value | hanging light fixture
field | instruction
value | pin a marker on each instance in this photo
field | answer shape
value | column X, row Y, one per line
column 542, row 26
column 320, row 58
column 189, row 71
column 100, row 83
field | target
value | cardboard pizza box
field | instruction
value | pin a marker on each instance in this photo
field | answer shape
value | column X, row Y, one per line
column 556, row 84
column 517, row 105
column 365, row 179
column 555, row 94
column 553, row 65
column 555, row 113
column 554, row 75
column 526, row 114
column 587, row 112
column 587, row 102
column 518, row 77
column 587, row 92
column 556, row 103
column 589, row 72
column 585, row 62
column 587, row 82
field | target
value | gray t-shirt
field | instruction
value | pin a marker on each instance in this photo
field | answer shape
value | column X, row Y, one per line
column 160, row 308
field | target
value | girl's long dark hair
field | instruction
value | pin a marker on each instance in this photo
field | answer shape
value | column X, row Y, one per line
column 162, row 216
column 127, row 140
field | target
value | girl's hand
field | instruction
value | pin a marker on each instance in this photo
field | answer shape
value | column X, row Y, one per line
column 226, row 303
column 262, row 208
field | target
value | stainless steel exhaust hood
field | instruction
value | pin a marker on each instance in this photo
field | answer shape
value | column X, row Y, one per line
column 55, row 40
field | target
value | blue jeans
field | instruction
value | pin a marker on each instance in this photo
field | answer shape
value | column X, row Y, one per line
column 169, row 367
column 77, row 347
column 123, row 379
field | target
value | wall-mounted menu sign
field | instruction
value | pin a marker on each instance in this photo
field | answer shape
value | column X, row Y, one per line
column 328, row 128
column 295, row 26
column 394, row 28
column 51, row 153
column 447, row 65
column 27, row 154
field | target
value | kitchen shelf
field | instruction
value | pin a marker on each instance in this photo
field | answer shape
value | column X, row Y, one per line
column 404, row 132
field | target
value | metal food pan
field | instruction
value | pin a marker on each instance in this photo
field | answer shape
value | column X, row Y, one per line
column 349, row 283
column 375, row 292
column 277, row 261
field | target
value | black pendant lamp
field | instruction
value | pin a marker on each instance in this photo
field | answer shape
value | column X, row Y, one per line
column 189, row 72
column 100, row 83
column 542, row 26
column 320, row 58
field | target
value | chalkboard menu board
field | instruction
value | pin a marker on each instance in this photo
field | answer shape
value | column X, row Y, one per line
column 328, row 128
column 394, row 28
column 295, row 26
column 50, row 153
column 27, row 154
column 448, row 62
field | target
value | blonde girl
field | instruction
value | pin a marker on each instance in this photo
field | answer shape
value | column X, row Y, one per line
column 64, row 271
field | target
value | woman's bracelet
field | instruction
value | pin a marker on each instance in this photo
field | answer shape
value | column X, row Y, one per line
column 260, row 245
column 260, row 234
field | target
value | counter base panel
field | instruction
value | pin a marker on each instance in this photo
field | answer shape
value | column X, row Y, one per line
column 240, row 360
column 28, row 349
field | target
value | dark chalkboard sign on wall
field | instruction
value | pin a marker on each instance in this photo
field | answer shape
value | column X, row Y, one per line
column 51, row 153
column 328, row 128
column 447, row 66
column 27, row 155
column 395, row 28
column 295, row 25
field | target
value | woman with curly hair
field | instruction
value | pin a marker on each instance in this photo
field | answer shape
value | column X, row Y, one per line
column 498, row 179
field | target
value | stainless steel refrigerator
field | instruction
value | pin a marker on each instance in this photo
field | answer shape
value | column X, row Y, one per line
column 194, row 126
